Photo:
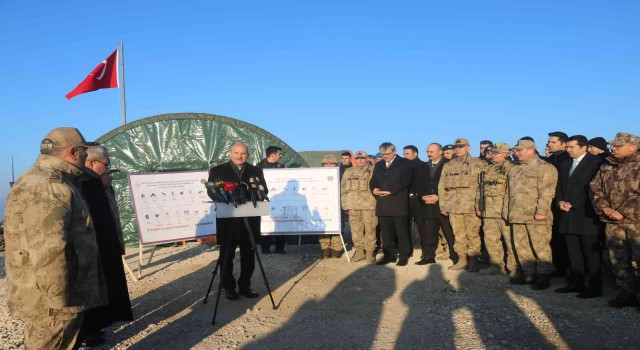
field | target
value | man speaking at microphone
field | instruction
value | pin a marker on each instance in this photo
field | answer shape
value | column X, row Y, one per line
column 232, row 231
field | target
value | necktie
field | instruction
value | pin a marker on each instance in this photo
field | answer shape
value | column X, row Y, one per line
column 573, row 167
column 388, row 164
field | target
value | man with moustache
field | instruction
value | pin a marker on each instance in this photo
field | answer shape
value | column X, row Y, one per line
column 390, row 185
column 457, row 195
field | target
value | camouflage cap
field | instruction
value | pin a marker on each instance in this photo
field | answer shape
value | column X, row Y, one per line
column 623, row 138
column 500, row 147
column 447, row 148
column 524, row 144
column 330, row 159
column 361, row 154
column 65, row 137
column 461, row 141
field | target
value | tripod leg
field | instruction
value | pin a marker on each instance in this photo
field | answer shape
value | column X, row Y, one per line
column 215, row 270
column 225, row 261
column 255, row 251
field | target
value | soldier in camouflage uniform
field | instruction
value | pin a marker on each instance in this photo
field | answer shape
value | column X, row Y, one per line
column 358, row 201
column 331, row 245
column 490, row 201
column 616, row 198
column 531, row 186
column 52, row 264
column 457, row 192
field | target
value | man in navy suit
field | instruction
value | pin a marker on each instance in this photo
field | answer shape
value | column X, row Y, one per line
column 390, row 185
column 232, row 232
column 578, row 221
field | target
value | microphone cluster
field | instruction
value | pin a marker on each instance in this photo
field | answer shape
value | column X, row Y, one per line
column 237, row 193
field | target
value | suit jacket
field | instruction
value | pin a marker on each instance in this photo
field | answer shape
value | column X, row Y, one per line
column 225, row 172
column 395, row 179
column 431, row 187
column 582, row 218
column 419, row 177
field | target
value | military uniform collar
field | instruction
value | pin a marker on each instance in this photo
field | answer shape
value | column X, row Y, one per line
column 47, row 161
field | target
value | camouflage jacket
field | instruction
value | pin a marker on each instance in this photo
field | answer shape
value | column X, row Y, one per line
column 52, row 257
column 354, row 189
column 458, row 186
column 617, row 186
column 495, row 186
column 531, row 186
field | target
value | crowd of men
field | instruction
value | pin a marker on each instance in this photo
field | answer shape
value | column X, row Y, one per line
column 534, row 217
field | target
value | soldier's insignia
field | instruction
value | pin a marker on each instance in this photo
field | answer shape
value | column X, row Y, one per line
column 54, row 176
column 329, row 178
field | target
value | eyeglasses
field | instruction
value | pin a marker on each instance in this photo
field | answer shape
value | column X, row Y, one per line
column 106, row 165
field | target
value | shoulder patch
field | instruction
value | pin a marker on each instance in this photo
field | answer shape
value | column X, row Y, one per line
column 55, row 177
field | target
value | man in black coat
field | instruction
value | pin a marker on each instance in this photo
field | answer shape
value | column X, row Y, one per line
column 428, row 193
column 232, row 231
column 118, row 307
column 578, row 221
column 557, row 144
column 390, row 185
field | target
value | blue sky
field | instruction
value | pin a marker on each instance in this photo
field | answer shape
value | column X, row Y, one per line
column 326, row 75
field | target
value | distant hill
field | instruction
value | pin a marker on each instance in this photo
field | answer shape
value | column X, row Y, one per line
column 314, row 158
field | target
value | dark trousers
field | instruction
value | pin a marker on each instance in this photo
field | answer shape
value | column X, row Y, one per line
column 228, row 243
column 559, row 254
column 265, row 241
column 585, row 256
column 392, row 228
column 432, row 227
column 428, row 241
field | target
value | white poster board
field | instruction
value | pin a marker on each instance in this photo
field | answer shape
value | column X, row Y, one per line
column 303, row 201
column 172, row 206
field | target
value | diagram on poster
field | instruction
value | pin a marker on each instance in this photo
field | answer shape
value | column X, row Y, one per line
column 303, row 201
column 172, row 206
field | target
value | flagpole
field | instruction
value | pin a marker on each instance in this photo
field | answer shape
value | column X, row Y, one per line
column 122, row 95
column 13, row 177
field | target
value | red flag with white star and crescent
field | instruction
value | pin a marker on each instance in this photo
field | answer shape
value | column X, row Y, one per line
column 104, row 76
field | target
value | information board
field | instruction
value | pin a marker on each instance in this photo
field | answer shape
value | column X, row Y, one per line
column 172, row 206
column 303, row 201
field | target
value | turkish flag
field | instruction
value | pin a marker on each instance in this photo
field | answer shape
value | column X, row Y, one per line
column 104, row 76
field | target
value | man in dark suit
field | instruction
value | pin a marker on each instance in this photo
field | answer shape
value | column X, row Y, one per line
column 434, row 219
column 232, row 231
column 390, row 185
column 578, row 221
column 557, row 144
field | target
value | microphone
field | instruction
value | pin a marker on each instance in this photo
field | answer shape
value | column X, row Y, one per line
column 253, row 193
column 241, row 191
column 230, row 190
column 219, row 186
column 211, row 191
column 261, row 191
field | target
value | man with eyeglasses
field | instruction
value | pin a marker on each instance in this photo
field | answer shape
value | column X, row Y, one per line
column 457, row 196
column 118, row 307
column 616, row 198
column 52, row 264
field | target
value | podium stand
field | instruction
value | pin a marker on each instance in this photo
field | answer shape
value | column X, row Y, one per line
column 243, row 211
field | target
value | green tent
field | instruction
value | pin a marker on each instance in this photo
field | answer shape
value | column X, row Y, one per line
column 180, row 142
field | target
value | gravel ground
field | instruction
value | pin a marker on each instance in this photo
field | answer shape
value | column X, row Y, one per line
column 328, row 304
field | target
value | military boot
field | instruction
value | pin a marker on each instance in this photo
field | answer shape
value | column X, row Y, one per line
column 336, row 253
column 462, row 264
column 542, row 282
column 358, row 256
column 474, row 264
column 326, row 253
column 494, row 269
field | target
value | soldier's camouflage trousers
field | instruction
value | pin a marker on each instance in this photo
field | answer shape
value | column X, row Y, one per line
column 53, row 332
column 330, row 242
column 495, row 231
column 363, row 229
column 623, row 241
column 466, row 232
column 533, row 248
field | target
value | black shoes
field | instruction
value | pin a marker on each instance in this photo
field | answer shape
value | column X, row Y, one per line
column 522, row 278
column 231, row 294
column 474, row 264
column 386, row 261
column 402, row 262
column 622, row 300
column 571, row 288
column 249, row 293
column 426, row 261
